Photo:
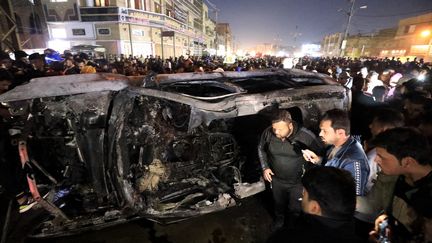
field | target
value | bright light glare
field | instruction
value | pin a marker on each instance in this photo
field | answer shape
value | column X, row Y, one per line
column 59, row 45
column 421, row 77
column 58, row 33
column 281, row 54
column 288, row 63
column 425, row 33
column 298, row 54
column 212, row 51
column 240, row 53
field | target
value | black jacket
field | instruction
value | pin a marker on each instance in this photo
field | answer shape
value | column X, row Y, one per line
column 316, row 229
column 301, row 138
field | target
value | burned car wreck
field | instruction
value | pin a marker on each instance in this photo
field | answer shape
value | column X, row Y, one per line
column 165, row 147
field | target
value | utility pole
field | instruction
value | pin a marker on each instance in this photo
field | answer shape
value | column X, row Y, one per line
column 11, row 38
column 130, row 40
column 344, row 40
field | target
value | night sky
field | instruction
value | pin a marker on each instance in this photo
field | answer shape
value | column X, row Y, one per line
column 274, row 21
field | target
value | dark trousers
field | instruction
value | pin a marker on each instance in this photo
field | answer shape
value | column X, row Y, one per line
column 286, row 199
column 12, row 177
column 362, row 229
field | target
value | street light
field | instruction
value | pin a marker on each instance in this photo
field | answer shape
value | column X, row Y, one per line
column 425, row 33
column 350, row 15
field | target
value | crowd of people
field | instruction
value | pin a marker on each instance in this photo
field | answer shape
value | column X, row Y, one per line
column 379, row 184
column 366, row 176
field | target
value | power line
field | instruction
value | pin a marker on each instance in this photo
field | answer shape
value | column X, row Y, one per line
column 393, row 15
column 212, row 5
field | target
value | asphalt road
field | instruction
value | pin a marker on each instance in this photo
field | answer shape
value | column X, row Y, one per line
column 248, row 222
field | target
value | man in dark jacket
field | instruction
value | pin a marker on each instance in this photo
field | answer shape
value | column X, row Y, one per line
column 345, row 152
column 282, row 163
column 406, row 153
column 39, row 69
column 328, row 203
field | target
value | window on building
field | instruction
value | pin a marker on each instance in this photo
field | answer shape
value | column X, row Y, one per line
column 58, row 33
column 146, row 5
column 409, row 29
column 104, row 31
column 169, row 11
column 19, row 24
column 32, row 24
column 138, row 4
column 78, row 32
column 35, row 24
column 101, row 3
column 38, row 24
column 157, row 8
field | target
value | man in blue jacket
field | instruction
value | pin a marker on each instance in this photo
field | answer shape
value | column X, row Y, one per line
column 344, row 152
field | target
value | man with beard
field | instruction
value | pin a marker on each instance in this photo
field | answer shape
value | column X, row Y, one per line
column 344, row 152
column 282, row 163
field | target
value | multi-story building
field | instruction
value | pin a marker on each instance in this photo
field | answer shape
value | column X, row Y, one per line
column 30, row 23
column 370, row 44
column 359, row 45
column 131, row 27
column 384, row 39
column 224, row 40
column 413, row 38
column 209, row 30
column 331, row 44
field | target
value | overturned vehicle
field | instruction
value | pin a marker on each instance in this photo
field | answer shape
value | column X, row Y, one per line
column 165, row 147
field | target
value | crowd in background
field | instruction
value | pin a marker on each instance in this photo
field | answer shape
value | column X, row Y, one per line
column 370, row 79
column 374, row 82
column 377, row 85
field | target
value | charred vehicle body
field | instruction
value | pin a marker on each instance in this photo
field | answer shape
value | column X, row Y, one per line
column 165, row 148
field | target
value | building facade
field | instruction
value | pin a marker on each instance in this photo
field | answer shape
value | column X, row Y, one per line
column 224, row 39
column 30, row 23
column 413, row 38
column 163, row 28
column 209, row 30
column 331, row 44
column 362, row 45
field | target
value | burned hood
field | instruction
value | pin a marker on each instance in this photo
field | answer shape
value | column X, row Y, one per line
column 66, row 85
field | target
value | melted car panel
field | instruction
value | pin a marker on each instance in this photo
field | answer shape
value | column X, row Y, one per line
column 182, row 147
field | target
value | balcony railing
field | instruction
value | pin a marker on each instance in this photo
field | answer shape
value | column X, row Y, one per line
column 135, row 16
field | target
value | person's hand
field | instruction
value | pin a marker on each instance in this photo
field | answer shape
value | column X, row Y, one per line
column 374, row 235
column 267, row 174
column 311, row 156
